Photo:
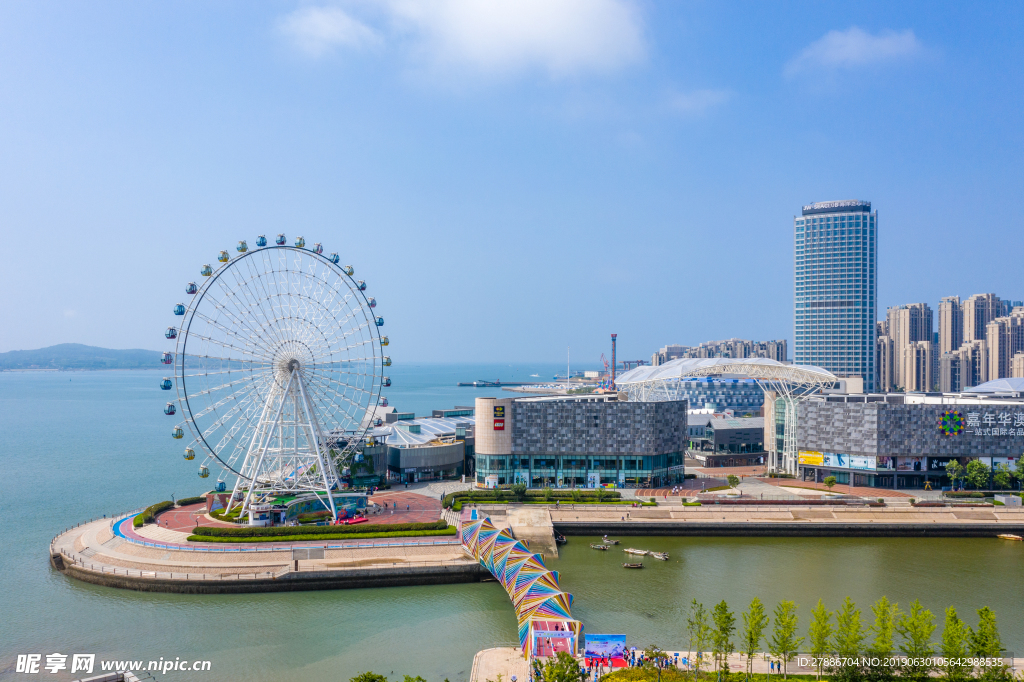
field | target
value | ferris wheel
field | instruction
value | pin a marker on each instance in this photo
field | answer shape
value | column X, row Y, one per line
column 278, row 369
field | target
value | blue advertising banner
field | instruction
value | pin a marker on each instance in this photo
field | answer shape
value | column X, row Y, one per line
column 612, row 646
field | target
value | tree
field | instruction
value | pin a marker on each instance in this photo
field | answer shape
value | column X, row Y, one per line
column 562, row 668
column 733, row 480
column 955, row 470
column 784, row 642
column 820, row 632
column 985, row 640
column 519, row 490
column 883, row 644
column 916, row 629
column 721, row 636
column 755, row 620
column 410, row 678
column 977, row 474
column 884, row 627
column 1018, row 472
column 1002, row 477
column 368, row 677
column 829, row 482
column 849, row 635
column 956, row 643
column 698, row 630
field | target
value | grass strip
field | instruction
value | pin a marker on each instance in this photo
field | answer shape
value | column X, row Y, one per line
column 451, row 530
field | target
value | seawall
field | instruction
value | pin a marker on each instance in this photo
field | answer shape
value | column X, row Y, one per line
column 288, row 581
column 792, row 529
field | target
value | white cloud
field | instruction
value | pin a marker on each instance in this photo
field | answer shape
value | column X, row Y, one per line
column 697, row 101
column 562, row 37
column 855, row 48
column 69, row 313
column 318, row 30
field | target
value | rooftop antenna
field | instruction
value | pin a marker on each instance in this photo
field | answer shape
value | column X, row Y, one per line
column 613, row 361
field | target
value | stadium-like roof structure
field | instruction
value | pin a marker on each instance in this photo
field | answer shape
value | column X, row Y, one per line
column 791, row 383
column 760, row 369
column 1009, row 385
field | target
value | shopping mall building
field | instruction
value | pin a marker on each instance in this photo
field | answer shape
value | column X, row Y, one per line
column 579, row 441
column 901, row 440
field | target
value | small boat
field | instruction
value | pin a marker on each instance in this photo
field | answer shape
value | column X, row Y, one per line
column 610, row 542
column 659, row 555
column 560, row 539
column 639, row 552
column 1008, row 536
column 629, row 565
column 603, row 548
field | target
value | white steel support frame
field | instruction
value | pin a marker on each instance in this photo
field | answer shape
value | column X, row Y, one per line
column 271, row 460
column 791, row 383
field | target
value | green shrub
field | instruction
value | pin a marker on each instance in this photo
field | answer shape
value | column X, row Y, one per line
column 691, row 504
column 191, row 500
column 323, row 535
column 277, row 531
column 149, row 513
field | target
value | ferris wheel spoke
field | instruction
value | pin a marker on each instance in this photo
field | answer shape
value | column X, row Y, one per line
column 221, row 307
column 249, row 349
column 253, row 307
column 221, row 387
column 317, row 381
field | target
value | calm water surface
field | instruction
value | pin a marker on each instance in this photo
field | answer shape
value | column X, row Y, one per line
column 75, row 445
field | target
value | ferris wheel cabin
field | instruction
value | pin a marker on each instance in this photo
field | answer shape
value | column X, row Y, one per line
column 166, row 384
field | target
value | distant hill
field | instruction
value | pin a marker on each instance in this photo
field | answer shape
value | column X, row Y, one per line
column 78, row 356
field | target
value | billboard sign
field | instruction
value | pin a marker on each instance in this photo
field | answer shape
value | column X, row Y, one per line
column 833, row 459
column 910, row 464
column 499, row 411
column 862, row 463
column 605, row 646
column 811, row 457
column 593, row 480
column 491, row 481
column 499, row 424
column 940, row 463
column 885, row 462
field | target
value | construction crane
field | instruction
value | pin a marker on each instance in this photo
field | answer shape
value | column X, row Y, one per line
column 605, row 363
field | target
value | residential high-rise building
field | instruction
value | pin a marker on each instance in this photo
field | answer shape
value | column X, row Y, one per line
column 730, row 348
column 949, row 373
column 978, row 311
column 1017, row 366
column 907, row 325
column 885, row 381
column 835, row 288
column 917, row 366
column 1004, row 337
column 951, row 325
column 973, row 363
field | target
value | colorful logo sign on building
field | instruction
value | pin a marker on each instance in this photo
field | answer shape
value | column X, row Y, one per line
column 499, row 411
column 499, row 424
column 951, row 423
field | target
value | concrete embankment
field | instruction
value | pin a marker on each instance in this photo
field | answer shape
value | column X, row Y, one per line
column 383, row 576
column 795, row 521
column 92, row 553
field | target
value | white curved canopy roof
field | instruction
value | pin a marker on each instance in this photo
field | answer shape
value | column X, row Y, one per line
column 1008, row 385
column 755, row 368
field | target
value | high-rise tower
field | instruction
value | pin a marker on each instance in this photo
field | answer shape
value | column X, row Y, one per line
column 835, row 288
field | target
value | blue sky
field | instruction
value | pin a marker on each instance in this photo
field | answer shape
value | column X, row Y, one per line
column 510, row 178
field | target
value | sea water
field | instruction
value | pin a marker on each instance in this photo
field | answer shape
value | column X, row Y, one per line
column 76, row 445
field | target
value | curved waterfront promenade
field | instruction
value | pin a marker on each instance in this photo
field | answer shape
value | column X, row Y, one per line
column 157, row 557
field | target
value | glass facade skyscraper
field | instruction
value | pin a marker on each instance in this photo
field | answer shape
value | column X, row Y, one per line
column 835, row 288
